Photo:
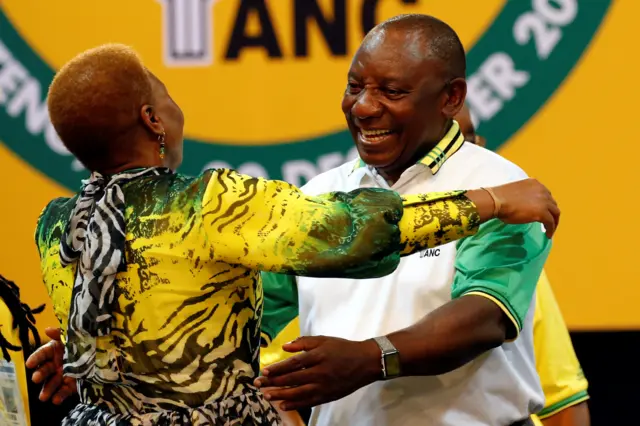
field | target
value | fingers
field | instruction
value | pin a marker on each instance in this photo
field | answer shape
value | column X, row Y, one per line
column 294, row 398
column 42, row 354
column 295, row 363
column 64, row 393
column 43, row 372
column 50, row 387
column 53, row 333
column 303, row 344
column 551, row 215
column 555, row 211
column 549, row 224
column 296, row 378
column 293, row 347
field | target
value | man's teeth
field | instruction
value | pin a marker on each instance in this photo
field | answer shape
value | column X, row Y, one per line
column 375, row 134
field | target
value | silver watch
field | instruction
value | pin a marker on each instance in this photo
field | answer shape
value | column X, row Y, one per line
column 390, row 358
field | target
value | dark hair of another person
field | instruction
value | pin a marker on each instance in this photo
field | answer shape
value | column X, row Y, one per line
column 23, row 320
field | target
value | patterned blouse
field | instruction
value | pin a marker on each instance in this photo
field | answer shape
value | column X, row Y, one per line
column 184, row 345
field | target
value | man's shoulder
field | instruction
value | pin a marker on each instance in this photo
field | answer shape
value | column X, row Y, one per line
column 479, row 164
column 331, row 180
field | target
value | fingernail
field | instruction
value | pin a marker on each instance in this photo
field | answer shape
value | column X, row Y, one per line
column 267, row 396
column 283, row 407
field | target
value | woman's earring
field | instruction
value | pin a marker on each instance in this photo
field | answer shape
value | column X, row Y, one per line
column 162, row 146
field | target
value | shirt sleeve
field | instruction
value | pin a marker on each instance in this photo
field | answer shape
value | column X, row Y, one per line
column 561, row 376
column 502, row 263
column 280, row 304
column 274, row 352
column 273, row 227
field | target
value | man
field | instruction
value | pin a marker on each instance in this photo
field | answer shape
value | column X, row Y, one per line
column 444, row 316
column 563, row 383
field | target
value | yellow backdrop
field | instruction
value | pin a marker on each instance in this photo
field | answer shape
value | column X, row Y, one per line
column 579, row 142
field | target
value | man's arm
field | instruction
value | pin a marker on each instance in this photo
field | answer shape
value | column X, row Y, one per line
column 494, row 284
column 496, row 275
column 575, row 415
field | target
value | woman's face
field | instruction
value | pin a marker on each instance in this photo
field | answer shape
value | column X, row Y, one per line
column 172, row 120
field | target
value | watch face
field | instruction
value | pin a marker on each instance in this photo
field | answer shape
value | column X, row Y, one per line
column 392, row 364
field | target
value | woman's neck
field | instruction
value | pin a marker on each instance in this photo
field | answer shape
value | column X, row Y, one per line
column 129, row 165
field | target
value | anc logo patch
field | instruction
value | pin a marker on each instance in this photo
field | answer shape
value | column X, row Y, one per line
column 260, row 81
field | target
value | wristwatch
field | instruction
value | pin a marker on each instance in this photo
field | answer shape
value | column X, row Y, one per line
column 390, row 358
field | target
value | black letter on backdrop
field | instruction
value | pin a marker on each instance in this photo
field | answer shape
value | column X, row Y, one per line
column 334, row 32
column 266, row 38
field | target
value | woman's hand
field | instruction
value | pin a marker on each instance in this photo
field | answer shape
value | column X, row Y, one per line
column 519, row 202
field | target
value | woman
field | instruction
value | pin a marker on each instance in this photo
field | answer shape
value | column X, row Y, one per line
column 154, row 275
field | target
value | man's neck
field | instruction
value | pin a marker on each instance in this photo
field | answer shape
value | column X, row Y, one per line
column 392, row 173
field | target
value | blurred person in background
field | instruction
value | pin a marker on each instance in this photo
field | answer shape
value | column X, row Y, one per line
column 154, row 276
column 19, row 402
column 18, row 338
column 447, row 339
column 563, row 382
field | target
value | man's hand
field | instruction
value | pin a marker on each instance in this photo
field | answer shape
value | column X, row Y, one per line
column 328, row 368
column 47, row 360
column 289, row 418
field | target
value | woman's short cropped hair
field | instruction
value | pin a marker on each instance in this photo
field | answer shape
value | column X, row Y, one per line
column 95, row 98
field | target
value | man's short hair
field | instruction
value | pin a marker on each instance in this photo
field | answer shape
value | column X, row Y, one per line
column 443, row 42
column 95, row 98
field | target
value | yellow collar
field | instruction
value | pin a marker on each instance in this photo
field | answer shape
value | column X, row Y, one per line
column 447, row 146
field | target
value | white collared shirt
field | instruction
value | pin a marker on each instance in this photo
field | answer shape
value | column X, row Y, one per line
column 498, row 388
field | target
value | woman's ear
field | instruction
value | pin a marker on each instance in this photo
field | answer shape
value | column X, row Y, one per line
column 151, row 120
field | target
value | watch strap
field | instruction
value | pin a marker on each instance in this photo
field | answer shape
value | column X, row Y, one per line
column 389, row 359
column 385, row 344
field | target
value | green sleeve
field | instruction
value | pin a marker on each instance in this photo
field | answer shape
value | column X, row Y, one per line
column 503, row 263
column 280, row 304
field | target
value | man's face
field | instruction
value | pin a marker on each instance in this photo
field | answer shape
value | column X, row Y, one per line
column 397, row 101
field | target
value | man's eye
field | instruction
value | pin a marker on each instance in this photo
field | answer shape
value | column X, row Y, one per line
column 353, row 87
column 393, row 93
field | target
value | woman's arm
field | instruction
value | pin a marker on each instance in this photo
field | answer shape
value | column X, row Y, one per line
column 272, row 226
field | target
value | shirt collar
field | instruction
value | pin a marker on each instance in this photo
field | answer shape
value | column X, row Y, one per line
column 434, row 160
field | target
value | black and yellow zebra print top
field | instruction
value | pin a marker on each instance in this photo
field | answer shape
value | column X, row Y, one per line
column 186, row 329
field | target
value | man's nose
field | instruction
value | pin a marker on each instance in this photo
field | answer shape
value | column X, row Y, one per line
column 367, row 105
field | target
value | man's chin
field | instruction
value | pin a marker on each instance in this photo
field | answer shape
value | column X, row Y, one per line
column 377, row 161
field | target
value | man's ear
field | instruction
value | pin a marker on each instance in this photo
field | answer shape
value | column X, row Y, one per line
column 456, row 94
